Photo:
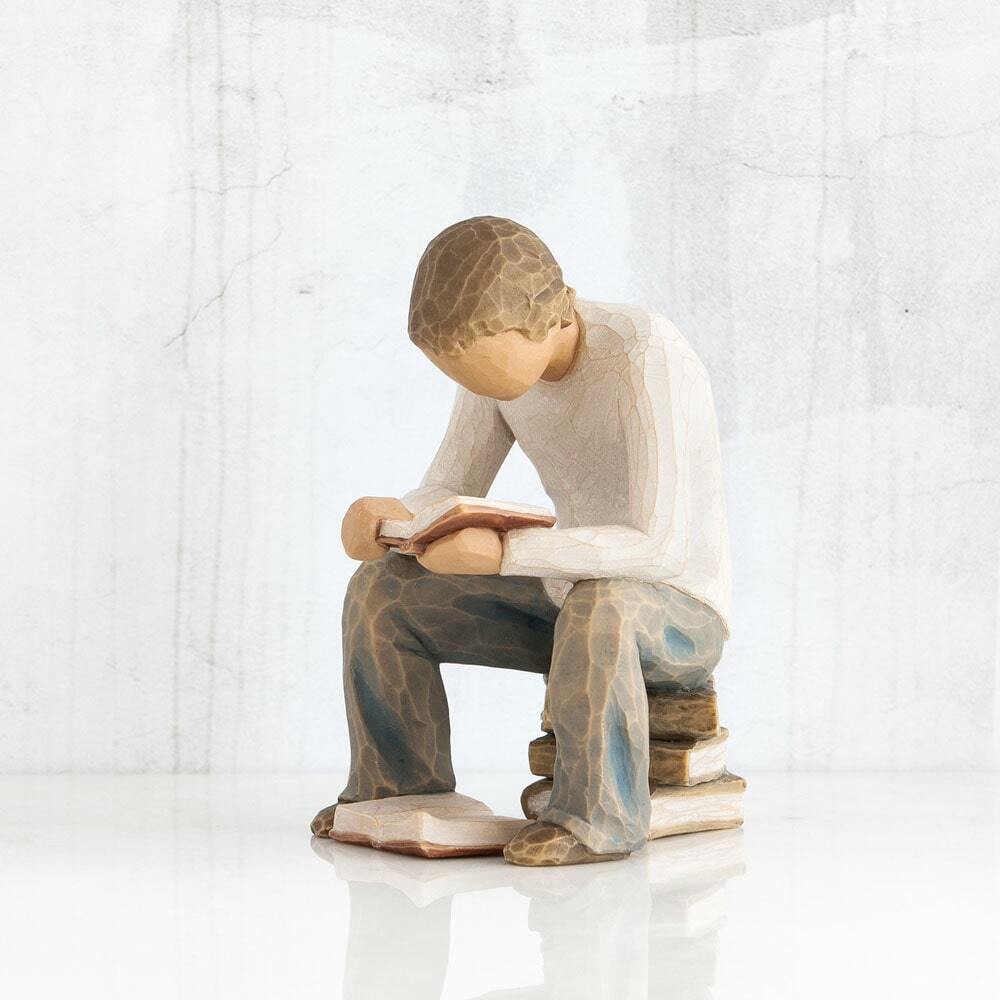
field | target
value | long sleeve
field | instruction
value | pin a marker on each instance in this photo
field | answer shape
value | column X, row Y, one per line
column 473, row 449
column 668, row 425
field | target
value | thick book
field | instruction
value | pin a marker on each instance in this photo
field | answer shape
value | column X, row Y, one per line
column 674, row 762
column 674, row 715
column 712, row 805
column 455, row 513
column 442, row 825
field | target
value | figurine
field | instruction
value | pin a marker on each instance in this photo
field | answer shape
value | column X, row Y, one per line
column 630, row 590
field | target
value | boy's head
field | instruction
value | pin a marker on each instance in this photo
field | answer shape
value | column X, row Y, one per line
column 486, row 296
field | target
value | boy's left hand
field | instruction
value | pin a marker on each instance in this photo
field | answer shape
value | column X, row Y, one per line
column 476, row 551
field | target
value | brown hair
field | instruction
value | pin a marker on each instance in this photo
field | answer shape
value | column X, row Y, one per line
column 480, row 277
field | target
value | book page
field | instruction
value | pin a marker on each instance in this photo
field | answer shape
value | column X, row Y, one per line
column 455, row 513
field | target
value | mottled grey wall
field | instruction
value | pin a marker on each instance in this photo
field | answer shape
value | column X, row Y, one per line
column 211, row 214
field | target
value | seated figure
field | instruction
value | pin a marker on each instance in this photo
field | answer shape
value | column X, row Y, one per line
column 629, row 590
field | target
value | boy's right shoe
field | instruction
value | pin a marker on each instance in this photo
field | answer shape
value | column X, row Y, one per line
column 322, row 824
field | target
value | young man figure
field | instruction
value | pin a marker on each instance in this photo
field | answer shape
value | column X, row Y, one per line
column 630, row 590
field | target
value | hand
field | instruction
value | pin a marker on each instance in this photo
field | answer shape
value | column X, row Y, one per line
column 477, row 551
column 360, row 527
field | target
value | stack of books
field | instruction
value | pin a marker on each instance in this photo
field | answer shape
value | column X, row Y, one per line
column 691, row 790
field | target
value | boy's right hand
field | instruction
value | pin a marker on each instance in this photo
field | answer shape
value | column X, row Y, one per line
column 360, row 527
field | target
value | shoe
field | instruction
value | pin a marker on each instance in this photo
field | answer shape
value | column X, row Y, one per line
column 322, row 824
column 545, row 844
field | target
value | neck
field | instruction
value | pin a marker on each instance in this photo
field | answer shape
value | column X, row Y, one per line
column 564, row 346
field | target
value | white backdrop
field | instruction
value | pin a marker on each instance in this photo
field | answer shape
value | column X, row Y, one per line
column 211, row 217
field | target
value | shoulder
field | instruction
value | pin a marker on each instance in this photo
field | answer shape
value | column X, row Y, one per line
column 642, row 338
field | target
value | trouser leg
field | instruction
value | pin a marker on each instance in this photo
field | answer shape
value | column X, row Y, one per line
column 612, row 638
column 400, row 623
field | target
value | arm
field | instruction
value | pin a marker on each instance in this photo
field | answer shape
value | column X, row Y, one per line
column 665, row 412
column 473, row 449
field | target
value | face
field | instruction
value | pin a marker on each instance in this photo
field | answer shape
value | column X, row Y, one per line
column 504, row 366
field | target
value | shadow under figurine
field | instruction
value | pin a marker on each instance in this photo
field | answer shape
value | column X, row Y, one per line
column 629, row 591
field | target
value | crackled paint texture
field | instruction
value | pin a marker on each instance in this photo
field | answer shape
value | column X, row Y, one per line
column 626, row 445
column 212, row 215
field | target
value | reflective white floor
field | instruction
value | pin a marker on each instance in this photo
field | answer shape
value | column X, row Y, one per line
column 852, row 885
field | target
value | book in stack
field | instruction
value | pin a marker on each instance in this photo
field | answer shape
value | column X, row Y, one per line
column 691, row 790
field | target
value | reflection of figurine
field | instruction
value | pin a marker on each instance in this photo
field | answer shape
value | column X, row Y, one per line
column 629, row 590
column 649, row 928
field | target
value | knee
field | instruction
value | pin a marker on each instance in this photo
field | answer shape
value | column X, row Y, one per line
column 605, row 602
column 590, row 593
column 375, row 584
column 596, row 620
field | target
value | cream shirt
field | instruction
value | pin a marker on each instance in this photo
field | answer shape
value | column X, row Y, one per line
column 627, row 447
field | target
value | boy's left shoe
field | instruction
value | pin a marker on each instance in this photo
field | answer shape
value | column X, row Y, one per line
column 545, row 844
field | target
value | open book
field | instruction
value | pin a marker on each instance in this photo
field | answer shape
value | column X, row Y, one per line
column 455, row 513
column 439, row 825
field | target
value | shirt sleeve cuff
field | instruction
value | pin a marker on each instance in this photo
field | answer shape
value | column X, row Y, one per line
column 524, row 554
